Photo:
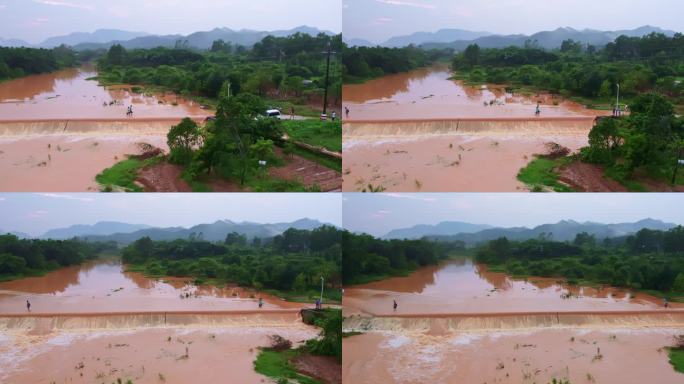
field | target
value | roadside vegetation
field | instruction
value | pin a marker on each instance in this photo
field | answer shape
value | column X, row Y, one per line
column 588, row 73
column 649, row 260
column 366, row 258
column 676, row 354
column 32, row 257
column 540, row 175
column 277, row 363
column 290, row 265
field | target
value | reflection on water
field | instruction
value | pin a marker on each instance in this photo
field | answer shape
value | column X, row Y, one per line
column 105, row 286
column 68, row 94
column 430, row 93
column 462, row 286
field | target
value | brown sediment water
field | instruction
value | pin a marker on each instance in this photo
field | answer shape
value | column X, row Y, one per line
column 620, row 355
column 429, row 93
column 104, row 287
column 445, row 163
column 67, row 94
column 462, row 287
column 202, row 354
column 64, row 163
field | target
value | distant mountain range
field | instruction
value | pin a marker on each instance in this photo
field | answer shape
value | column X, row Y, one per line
column 460, row 39
column 564, row 230
column 105, row 38
column 125, row 233
column 444, row 228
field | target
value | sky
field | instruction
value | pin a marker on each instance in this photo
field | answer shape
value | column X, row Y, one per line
column 377, row 20
column 378, row 214
column 36, row 213
column 35, row 20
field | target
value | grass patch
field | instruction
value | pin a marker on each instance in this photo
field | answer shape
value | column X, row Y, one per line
column 540, row 175
column 276, row 365
column 350, row 334
column 326, row 161
column 676, row 359
column 122, row 175
column 326, row 134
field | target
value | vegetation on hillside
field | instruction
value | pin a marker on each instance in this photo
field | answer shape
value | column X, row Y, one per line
column 19, row 62
column 292, row 262
column 366, row 258
column 647, row 260
column 32, row 257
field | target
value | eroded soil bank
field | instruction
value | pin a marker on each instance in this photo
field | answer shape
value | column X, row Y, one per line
column 631, row 356
column 170, row 355
column 104, row 287
column 459, row 286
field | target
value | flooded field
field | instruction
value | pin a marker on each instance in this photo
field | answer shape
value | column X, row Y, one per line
column 428, row 93
column 624, row 355
column 171, row 354
column 459, row 287
column 68, row 94
column 104, row 287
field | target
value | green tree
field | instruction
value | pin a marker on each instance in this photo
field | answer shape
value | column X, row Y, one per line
column 182, row 140
column 472, row 54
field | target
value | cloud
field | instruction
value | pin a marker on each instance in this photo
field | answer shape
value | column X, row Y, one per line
column 65, row 4
column 67, row 197
column 3, row 199
column 380, row 214
column 38, row 214
column 3, row 6
column 381, row 20
column 407, row 4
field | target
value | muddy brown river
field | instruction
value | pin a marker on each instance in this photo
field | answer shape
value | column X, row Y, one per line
column 460, row 286
column 56, row 134
column 105, row 287
column 428, row 93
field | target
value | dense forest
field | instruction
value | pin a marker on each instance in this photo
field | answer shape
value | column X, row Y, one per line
column 363, row 63
column 638, row 64
column 24, row 257
column 366, row 258
column 647, row 260
column 19, row 62
column 291, row 262
column 289, row 68
column 648, row 141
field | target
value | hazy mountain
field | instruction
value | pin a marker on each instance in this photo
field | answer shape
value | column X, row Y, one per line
column 99, row 36
column 548, row 39
column 444, row 228
column 216, row 231
column 13, row 43
column 441, row 36
column 564, row 230
column 200, row 40
column 101, row 228
column 21, row 235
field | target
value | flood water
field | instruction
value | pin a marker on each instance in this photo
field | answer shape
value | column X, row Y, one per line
column 104, row 286
column 428, row 93
column 68, row 94
column 460, row 286
column 156, row 355
column 632, row 356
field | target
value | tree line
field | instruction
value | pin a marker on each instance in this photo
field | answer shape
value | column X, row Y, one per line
column 366, row 258
column 19, row 62
column 292, row 67
column 648, row 259
column 363, row 63
column 293, row 261
column 32, row 257
column 639, row 64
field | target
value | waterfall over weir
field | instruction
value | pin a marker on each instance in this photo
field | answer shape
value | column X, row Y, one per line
column 476, row 127
column 445, row 323
column 45, row 323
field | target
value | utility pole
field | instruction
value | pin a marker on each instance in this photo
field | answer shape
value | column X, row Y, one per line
column 328, row 52
column 617, row 101
column 321, row 300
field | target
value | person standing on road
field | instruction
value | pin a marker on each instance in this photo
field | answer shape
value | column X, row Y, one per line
column 261, row 302
column 395, row 305
column 346, row 111
column 334, row 116
column 292, row 113
column 537, row 111
column 28, row 305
